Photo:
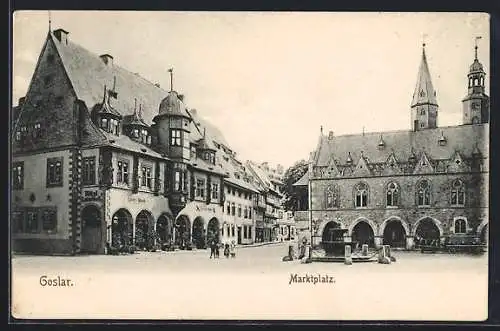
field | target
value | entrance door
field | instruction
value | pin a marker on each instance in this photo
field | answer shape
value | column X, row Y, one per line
column 91, row 230
column 239, row 234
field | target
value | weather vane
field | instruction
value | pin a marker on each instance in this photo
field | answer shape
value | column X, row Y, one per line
column 171, row 71
column 475, row 45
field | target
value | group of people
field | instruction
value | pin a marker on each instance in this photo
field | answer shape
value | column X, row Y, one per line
column 229, row 249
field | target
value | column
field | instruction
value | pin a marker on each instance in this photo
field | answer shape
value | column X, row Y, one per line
column 378, row 241
column 409, row 242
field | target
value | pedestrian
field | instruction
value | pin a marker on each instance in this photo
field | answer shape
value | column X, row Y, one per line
column 233, row 249
column 226, row 250
column 217, row 247
column 212, row 248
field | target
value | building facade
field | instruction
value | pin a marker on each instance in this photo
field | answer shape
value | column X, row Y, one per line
column 101, row 158
column 403, row 187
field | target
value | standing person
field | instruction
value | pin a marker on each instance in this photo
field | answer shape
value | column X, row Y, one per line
column 226, row 250
column 212, row 248
column 232, row 249
column 217, row 247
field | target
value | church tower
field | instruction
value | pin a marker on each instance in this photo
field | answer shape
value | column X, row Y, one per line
column 424, row 107
column 476, row 104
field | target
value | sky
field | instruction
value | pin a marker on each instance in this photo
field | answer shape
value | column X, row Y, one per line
column 271, row 80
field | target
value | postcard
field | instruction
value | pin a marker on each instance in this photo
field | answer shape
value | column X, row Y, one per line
column 250, row 166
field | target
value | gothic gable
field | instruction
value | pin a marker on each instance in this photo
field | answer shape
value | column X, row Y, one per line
column 391, row 166
column 423, row 166
column 457, row 164
column 332, row 169
column 362, row 169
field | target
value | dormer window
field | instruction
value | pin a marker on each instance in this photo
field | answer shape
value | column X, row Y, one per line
column 135, row 133
column 104, row 124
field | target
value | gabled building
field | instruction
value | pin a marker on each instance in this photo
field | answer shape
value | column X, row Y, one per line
column 103, row 157
column 406, row 187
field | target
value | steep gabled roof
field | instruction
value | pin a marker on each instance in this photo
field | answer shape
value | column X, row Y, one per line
column 464, row 138
column 303, row 181
column 424, row 90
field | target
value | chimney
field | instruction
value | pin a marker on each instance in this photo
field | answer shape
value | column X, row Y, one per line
column 61, row 35
column 330, row 135
column 20, row 103
column 107, row 59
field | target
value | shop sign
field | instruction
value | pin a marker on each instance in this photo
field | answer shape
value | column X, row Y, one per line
column 139, row 200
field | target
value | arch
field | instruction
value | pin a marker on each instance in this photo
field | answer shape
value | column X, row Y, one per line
column 405, row 225
column 327, row 235
column 323, row 223
column 164, row 228
column 121, row 228
column 394, row 232
column 372, row 224
column 434, row 220
column 481, row 226
column 91, row 229
column 363, row 232
column 182, row 231
column 198, row 232
column 144, row 230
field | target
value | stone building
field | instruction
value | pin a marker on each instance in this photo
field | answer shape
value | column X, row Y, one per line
column 401, row 187
column 102, row 156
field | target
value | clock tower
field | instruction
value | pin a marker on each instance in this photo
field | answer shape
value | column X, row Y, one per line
column 476, row 105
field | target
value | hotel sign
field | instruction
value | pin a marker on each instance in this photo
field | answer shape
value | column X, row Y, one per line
column 92, row 195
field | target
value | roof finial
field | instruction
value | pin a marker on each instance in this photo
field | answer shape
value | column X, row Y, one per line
column 171, row 71
column 135, row 105
column 114, row 83
column 475, row 47
column 204, row 132
column 50, row 22
column 140, row 110
column 423, row 42
column 321, row 129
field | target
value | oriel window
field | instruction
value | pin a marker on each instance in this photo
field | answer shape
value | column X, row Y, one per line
column 175, row 137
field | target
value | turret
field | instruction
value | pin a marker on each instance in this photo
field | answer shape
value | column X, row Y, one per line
column 477, row 103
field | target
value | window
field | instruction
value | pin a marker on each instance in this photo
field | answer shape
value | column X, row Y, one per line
column 228, row 208
column 18, row 221
column 233, row 209
column 37, row 129
column 239, row 210
column 460, row 225
column 18, row 176
column 177, row 180
column 54, row 171
column 215, row 191
column 422, row 111
column 113, row 126
column 331, row 197
column 422, row 124
column 89, row 170
column 18, row 135
column 122, row 174
column 361, row 192
column 135, row 133
column 49, row 220
column 193, row 152
column 175, row 138
column 423, row 193
column 200, row 188
column 147, row 179
column 457, row 193
column 250, row 213
column 104, row 124
column 232, row 230
column 144, row 136
column 245, row 212
column 392, row 195
column 32, row 221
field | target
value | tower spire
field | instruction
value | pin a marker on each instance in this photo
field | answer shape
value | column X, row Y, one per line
column 171, row 71
column 50, row 22
column 475, row 46
column 424, row 90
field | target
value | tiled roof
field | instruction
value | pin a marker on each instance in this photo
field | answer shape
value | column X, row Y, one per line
column 124, row 142
column 89, row 74
column 303, row 181
column 462, row 138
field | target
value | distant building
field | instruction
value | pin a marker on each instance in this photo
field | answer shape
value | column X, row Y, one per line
column 101, row 156
column 405, row 187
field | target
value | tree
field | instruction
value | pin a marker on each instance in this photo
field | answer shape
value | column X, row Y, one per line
column 291, row 176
